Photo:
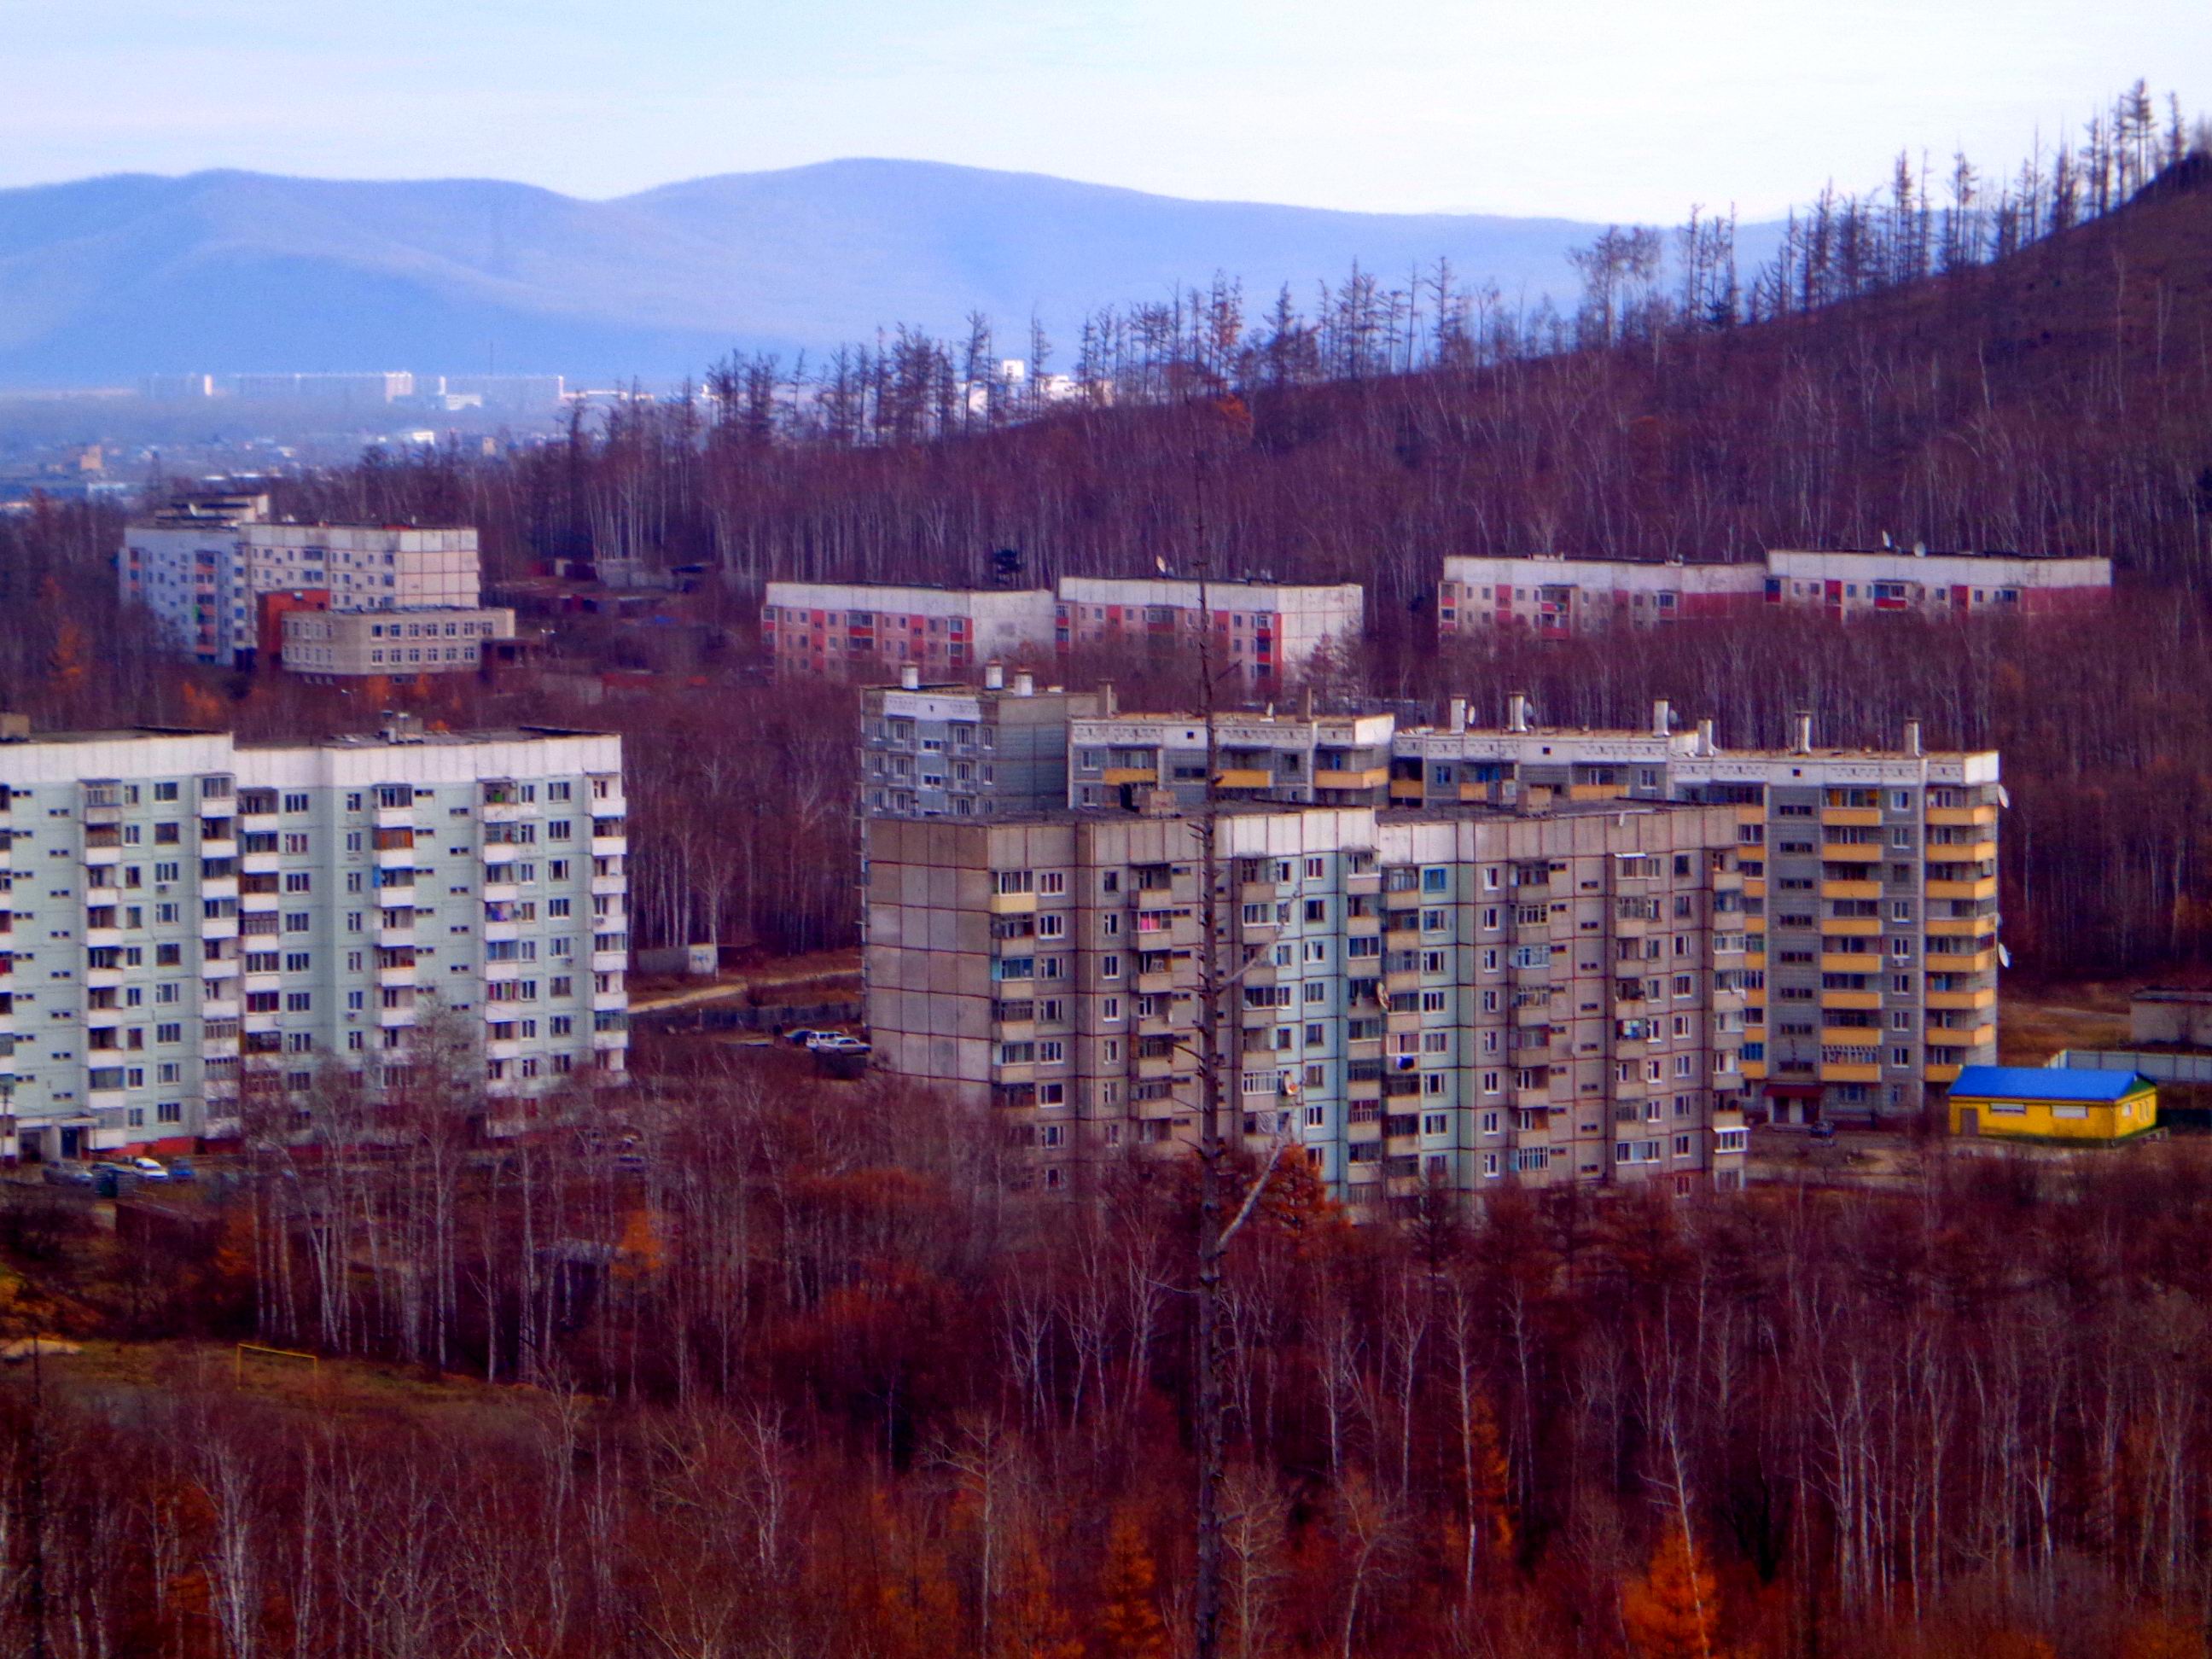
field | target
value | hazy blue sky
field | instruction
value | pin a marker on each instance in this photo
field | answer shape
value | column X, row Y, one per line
column 1588, row 108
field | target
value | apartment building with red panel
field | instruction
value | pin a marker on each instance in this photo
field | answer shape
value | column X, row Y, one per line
column 834, row 628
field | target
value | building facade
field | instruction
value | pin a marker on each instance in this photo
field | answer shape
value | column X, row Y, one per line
column 857, row 628
column 1870, row 881
column 1264, row 631
column 1869, row 582
column 204, row 569
column 192, row 923
column 960, row 751
column 1553, row 596
column 1413, row 999
column 1327, row 760
column 336, row 645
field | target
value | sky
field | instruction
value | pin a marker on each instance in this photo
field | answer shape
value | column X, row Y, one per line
column 1586, row 109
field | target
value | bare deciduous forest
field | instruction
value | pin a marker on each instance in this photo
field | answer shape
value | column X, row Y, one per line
column 810, row 1373
column 820, row 1381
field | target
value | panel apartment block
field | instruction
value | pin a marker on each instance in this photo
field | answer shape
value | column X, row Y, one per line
column 1553, row 596
column 1846, row 582
column 1458, row 997
column 1262, row 630
column 1871, row 888
column 867, row 628
column 188, row 920
column 205, row 572
column 959, row 752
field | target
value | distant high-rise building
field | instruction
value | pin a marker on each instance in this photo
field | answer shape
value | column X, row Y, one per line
column 203, row 567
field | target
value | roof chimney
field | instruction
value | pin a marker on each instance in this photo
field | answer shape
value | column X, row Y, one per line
column 994, row 677
column 1455, row 714
column 1305, row 701
column 1025, row 683
column 909, row 676
column 1517, row 712
column 1662, row 720
column 1706, row 743
column 1800, row 736
column 1106, row 704
column 1913, row 737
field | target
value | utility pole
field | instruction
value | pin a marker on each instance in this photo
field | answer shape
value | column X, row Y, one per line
column 1212, row 1149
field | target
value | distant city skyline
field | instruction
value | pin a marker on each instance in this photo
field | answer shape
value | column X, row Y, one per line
column 1608, row 109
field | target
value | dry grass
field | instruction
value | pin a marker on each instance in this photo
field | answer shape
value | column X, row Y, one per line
column 2036, row 1021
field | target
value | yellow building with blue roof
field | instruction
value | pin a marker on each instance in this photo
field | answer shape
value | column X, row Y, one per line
column 2055, row 1103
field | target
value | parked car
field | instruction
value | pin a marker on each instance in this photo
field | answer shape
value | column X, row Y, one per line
column 66, row 1175
column 805, row 1037
column 149, row 1169
column 837, row 1042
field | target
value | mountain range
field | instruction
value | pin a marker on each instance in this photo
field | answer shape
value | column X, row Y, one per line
column 104, row 279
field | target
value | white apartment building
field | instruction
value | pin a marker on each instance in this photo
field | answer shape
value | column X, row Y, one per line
column 191, row 925
column 205, row 569
column 336, row 645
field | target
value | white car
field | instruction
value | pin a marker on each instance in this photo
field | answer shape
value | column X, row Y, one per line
column 148, row 1169
column 837, row 1042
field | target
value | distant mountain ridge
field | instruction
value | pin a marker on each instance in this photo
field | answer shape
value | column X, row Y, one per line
column 106, row 279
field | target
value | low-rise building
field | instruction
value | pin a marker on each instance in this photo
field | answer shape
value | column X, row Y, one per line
column 194, row 925
column 862, row 628
column 338, row 645
column 1263, row 631
column 1552, row 597
column 2051, row 1102
column 1864, row 581
column 2166, row 1014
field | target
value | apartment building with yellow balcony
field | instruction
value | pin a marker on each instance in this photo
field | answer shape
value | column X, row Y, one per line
column 1296, row 758
column 1870, row 887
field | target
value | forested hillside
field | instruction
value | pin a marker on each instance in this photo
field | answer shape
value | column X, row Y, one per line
column 2056, row 397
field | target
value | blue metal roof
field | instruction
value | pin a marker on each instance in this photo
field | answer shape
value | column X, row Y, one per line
column 2043, row 1082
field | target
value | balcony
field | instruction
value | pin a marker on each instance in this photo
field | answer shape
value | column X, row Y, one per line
column 259, row 904
column 1945, row 1071
column 391, row 1018
column 610, row 846
column 1001, row 904
column 1371, row 777
column 1407, row 789
column 395, row 858
column 1244, row 777
column 1960, row 926
column 394, row 933
column 1963, row 1000
column 1363, row 882
column 1856, row 1002
column 211, row 928
column 1851, row 817
column 396, row 975
column 99, row 1019
column 1981, row 887
column 106, row 938
column 498, row 931
column 1851, row 889
column 396, row 898
column 609, row 887
column 1962, row 817
column 1851, row 1036
column 614, row 961
column 1138, row 775
column 219, row 887
column 1952, row 1036
column 258, row 864
column 221, row 968
column 1852, row 927
column 604, row 1040
column 1409, row 898
column 394, row 818
column 101, row 858
column 1842, row 1072
column 1850, row 962
column 1851, row 852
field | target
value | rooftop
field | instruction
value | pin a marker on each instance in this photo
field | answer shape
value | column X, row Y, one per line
column 2043, row 1082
